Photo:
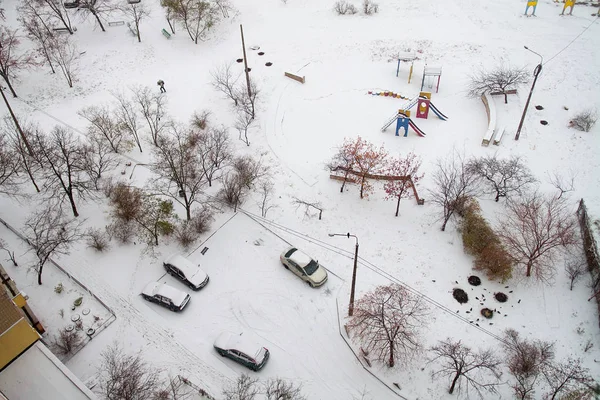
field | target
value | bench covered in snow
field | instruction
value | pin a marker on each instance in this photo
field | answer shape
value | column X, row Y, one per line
column 490, row 109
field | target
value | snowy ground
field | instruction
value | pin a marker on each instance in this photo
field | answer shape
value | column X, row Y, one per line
column 342, row 57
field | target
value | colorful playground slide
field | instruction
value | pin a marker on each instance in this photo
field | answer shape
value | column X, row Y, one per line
column 416, row 129
column 437, row 112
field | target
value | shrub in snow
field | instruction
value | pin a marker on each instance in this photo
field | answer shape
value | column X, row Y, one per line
column 185, row 234
column 369, row 7
column 343, row 7
column 66, row 341
column 97, row 239
column 200, row 119
column 584, row 121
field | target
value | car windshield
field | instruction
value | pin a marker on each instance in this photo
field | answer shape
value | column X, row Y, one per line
column 290, row 252
column 311, row 267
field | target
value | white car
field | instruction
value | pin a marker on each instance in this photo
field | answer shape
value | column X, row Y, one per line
column 305, row 267
column 166, row 296
column 186, row 271
column 241, row 350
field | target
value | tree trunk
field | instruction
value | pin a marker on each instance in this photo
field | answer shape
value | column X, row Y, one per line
column 454, row 382
column 572, row 280
column 49, row 61
column 505, row 98
column 529, row 265
column 398, row 205
column 137, row 29
column 7, row 80
column 40, row 274
column 170, row 25
column 98, row 19
column 497, row 196
column 73, row 207
column 391, row 360
column 444, row 223
column 362, row 186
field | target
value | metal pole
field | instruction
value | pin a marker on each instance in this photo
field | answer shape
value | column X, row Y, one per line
column 536, row 73
column 245, row 62
column 351, row 306
column 14, row 118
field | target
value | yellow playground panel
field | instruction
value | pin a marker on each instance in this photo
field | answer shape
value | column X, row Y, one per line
column 568, row 3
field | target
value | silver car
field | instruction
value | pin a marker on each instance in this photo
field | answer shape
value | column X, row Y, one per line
column 166, row 296
column 305, row 267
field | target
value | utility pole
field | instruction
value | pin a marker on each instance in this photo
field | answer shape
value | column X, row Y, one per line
column 247, row 71
column 353, row 286
column 536, row 72
column 14, row 118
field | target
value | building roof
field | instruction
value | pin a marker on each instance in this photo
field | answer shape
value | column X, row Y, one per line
column 9, row 313
column 38, row 374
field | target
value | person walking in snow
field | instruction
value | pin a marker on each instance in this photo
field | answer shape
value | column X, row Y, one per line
column 161, row 83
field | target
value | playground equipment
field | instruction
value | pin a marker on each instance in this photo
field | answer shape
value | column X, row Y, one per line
column 348, row 171
column 431, row 72
column 531, row 3
column 402, row 117
column 406, row 57
column 568, row 3
column 388, row 93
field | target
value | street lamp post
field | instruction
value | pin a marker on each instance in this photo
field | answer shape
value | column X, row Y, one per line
column 536, row 72
column 351, row 305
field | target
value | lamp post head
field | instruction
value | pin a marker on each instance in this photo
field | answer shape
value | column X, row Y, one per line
column 331, row 234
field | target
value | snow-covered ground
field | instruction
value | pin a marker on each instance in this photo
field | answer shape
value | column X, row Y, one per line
column 300, row 126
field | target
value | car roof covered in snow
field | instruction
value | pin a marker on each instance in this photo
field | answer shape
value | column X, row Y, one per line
column 191, row 271
column 232, row 341
column 153, row 288
column 300, row 258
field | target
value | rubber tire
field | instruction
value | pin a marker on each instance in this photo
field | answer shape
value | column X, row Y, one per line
column 310, row 284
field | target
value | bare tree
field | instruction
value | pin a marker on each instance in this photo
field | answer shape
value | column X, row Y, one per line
column 156, row 218
column 566, row 376
column 368, row 160
column 244, row 388
column 503, row 177
column 500, row 79
column 279, row 389
column 214, row 152
column 224, row 6
column 49, row 232
column 97, row 239
column 249, row 170
column 127, row 117
column 38, row 30
column 585, row 120
column 564, row 183
column 243, row 122
column 176, row 388
column 308, row 205
column 152, row 107
column 135, row 12
column 460, row 363
column 23, row 150
column 56, row 10
column 180, row 173
column 454, row 183
column 11, row 62
column 126, row 377
column 575, row 267
column 247, row 100
column 10, row 179
column 534, row 229
column 11, row 254
column 65, row 54
column 196, row 16
column 67, row 341
column 99, row 158
column 388, row 321
column 344, row 158
column 100, row 9
column 265, row 188
column 233, row 191
column 225, row 82
column 170, row 14
column 63, row 158
column 103, row 124
column 526, row 360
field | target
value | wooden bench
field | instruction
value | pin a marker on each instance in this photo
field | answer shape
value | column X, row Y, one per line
column 490, row 110
column 116, row 23
column 498, row 137
column 166, row 34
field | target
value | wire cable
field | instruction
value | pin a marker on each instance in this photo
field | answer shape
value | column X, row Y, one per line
column 572, row 41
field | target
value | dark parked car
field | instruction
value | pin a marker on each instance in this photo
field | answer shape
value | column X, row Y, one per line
column 166, row 296
column 244, row 351
column 72, row 4
column 184, row 270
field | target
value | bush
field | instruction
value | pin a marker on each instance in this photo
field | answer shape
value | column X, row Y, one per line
column 58, row 288
column 185, row 234
column 121, row 230
column 126, row 202
column 495, row 261
column 201, row 220
column 476, row 233
column 342, row 7
column 200, row 120
column 584, row 121
column 369, row 7
column 67, row 341
column 97, row 239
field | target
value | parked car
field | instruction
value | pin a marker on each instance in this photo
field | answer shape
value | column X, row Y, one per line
column 185, row 270
column 305, row 267
column 165, row 295
column 242, row 350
